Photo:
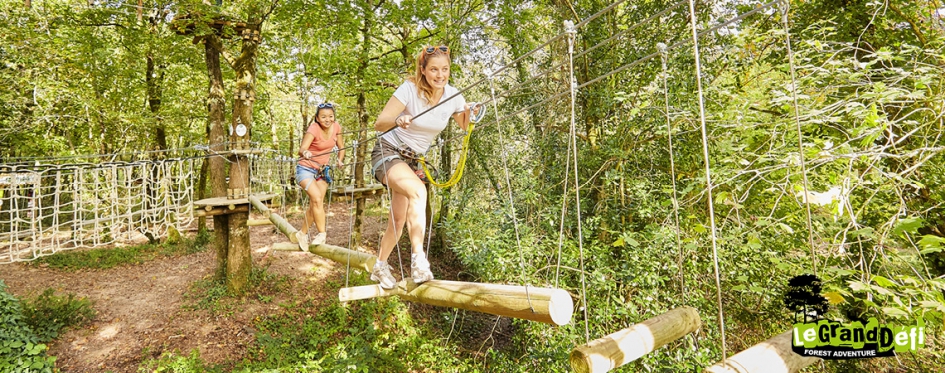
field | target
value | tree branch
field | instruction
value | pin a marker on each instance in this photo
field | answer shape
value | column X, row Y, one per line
column 912, row 25
column 215, row 44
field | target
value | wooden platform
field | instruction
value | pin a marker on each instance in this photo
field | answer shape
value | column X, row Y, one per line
column 349, row 190
column 222, row 205
column 240, row 152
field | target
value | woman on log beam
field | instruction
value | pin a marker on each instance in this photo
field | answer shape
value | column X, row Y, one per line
column 418, row 111
column 312, row 171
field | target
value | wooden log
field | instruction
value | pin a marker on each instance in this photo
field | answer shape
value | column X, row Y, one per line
column 624, row 346
column 220, row 211
column 258, row 222
column 285, row 246
column 287, row 229
column 352, row 190
column 356, row 259
column 771, row 356
column 547, row 305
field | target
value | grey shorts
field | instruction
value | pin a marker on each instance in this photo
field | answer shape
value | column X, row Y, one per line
column 385, row 155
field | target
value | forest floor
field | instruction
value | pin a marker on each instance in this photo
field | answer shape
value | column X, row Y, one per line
column 143, row 310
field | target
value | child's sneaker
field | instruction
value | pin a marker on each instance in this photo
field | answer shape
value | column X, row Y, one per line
column 381, row 274
column 420, row 268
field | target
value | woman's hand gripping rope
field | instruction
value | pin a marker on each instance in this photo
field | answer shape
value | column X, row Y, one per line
column 476, row 113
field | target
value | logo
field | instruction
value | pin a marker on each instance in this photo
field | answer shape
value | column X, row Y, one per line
column 828, row 339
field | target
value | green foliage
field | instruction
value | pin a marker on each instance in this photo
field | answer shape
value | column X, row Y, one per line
column 131, row 255
column 213, row 296
column 863, row 78
column 21, row 349
column 175, row 363
column 377, row 336
column 48, row 313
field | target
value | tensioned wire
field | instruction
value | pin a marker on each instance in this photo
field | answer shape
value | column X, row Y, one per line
column 506, row 66
column 508, row 182
column 672, row 169
column 708, row 171
column 520, row 58
column 800, row 134
column 636, row 62
column 577, row 184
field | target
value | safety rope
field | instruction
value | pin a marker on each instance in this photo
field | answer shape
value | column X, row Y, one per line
column 672, row 170
column 708, row 172
column 458, row 174
column 571, row 30
column 508, row 183
column 785, row 8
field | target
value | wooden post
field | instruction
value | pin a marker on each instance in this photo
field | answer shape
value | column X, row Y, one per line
column 622, row 347
column 547, row 305
column 771, row 356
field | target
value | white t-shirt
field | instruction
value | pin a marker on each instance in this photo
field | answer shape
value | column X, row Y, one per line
column 421, row 132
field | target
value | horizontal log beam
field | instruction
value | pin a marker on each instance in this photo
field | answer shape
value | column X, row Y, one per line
column 281, row 224
column 617, row 349
column 547, row 305
column 356, row 259
column 350, row 190
column 258, row 222
column 347, row 257
column 221, row 211
column 771, row 356
column 285, row 246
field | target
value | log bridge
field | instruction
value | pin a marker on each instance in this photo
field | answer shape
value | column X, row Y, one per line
column 547, row 305
column 553, row 306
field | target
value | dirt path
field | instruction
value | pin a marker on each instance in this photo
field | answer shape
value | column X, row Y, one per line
column 139, row 307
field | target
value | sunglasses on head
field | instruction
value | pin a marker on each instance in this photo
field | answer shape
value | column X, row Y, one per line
column 325, row 105
column 442, row 48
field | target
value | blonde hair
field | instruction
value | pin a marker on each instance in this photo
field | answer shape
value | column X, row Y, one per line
column 424, row 89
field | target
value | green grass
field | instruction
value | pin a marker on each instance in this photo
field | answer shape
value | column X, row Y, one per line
column 130, row 255
column 212, row 295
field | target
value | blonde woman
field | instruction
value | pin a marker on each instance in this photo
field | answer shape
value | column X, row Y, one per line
column 394, row 156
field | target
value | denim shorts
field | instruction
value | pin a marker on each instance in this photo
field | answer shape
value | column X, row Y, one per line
column 305, row 173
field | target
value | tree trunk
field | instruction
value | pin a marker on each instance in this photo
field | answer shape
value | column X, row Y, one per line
column 361, row 153
column 361, row 156
column 202, row 191
column 153, row 79
column 216, row 103
column 239, row 260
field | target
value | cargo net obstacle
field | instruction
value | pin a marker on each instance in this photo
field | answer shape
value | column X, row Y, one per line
column 46, row 208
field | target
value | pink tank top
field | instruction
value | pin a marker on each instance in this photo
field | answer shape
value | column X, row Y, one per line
column 321, row 147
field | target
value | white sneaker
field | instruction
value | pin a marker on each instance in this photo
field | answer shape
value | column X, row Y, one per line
column 381, row 274
column 303, row 240
column 320, row 238
column 420, row 268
